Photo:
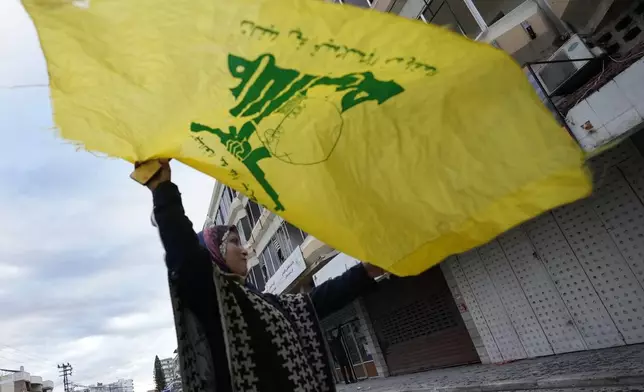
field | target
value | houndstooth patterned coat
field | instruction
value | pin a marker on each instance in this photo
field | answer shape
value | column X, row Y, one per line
column 230, row 336
column 272, row 343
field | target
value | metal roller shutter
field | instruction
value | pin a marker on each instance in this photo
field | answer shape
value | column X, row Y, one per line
column 571, row 279
column 418, row 325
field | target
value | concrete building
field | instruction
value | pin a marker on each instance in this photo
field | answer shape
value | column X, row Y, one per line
column 176, row 385
column 169, row 371
column 122, row 385
column 569, row 280
column 22, row 381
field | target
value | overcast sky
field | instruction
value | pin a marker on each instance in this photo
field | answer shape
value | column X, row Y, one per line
column 82, row 278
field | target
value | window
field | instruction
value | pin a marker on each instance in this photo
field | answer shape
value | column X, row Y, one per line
column 224, row 207
column 277, row 258
column 452, row 14
column 296, row 234
column 264, row 272
column 279, row 248
column 245, row 227
column 493, row 10
column 226, row 202
column 250, row 278
column 270, row 260
column 230, row 193
column 223, row 210
column 253, row 211
column 265, row 261
column 240, row 230
column 275, row 242
column 257, row 277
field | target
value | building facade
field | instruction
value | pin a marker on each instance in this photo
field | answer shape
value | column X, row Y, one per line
column 176, row 385
column 169, row 372
column 125, row 385
column 22, row 381
column 570, row 280
column 121, row 385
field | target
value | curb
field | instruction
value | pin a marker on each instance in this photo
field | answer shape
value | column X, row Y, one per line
column 558, row 382
column 506, row 385
column 597, row 380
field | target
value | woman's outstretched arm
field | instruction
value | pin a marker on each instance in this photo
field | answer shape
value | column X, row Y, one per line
column 177, row 235
column 336, row 293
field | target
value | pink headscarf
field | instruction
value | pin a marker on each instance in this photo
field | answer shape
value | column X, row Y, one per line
column 214, row 239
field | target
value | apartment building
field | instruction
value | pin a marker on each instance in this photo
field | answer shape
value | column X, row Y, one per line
column 168, row 366
column 121, row 385
column 22, row 381
column 569, row 280
column 176, row 385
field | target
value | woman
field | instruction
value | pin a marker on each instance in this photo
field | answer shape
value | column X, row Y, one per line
column 232, row 337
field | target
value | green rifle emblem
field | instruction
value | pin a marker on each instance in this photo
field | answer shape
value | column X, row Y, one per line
column 278, row 99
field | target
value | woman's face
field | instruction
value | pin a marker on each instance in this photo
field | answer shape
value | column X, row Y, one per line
column 236, row 256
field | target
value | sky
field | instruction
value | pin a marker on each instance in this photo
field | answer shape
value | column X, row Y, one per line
column 82, row 277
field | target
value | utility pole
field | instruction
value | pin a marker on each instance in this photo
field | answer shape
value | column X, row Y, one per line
column 65, row 371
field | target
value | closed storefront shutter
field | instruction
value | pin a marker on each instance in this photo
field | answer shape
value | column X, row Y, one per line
column 418, row 325
column 571, row 279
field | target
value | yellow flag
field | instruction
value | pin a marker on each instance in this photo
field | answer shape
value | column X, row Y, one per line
column 397, row 142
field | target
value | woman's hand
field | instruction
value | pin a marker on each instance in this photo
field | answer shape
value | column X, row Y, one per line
column 162, row 175
column 373, row 271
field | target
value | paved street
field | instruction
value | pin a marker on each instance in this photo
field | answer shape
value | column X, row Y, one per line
column 589, row 389
column 621, row 367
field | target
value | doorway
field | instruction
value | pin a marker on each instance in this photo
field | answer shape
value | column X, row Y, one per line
column 355, row 347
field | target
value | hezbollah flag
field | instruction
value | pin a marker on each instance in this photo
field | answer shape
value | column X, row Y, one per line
column 396, row 142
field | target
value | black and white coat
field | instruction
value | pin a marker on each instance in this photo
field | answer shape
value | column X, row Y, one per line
column 234, row 338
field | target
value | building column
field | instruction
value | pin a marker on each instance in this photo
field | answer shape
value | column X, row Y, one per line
column 479, row 344
column 372, row 340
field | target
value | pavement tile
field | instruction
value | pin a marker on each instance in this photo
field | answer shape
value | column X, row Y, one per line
column 619, row 366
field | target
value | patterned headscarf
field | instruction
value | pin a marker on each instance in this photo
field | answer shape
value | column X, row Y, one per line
column 214, row 239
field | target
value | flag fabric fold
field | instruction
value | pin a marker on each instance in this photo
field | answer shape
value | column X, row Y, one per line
column 396, row 142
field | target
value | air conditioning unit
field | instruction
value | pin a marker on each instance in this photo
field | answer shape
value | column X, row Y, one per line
column 564, row 76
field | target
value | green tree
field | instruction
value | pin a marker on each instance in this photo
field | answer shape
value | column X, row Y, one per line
column 159, row 377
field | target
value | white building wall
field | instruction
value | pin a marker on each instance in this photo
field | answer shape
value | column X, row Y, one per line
column 7, row 382
column 6, row 387
column 569, row 280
